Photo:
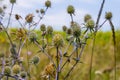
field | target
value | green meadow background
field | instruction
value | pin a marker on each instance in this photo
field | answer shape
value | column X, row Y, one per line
column 103, row 57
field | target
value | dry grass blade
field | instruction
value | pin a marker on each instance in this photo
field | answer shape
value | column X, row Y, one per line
column 97, row 22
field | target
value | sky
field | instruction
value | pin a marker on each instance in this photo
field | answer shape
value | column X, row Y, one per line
column 57, row 16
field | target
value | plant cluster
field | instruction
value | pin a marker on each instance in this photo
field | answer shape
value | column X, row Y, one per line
column 76, row 36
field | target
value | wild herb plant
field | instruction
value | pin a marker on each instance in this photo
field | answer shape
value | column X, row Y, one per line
column 76, row 37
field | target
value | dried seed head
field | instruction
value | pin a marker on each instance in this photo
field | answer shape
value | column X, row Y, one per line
column 7, row 70
column 12, row 1
column 29, row 18
column 16, row 69
column 48, row 3
column 87, row 17
column 50, row 70
column 108, row 15
column 76, row 30
column 70, row 9
column 90, row 24
column 58, row 40
column 35, row 60
column 23, row 74
column 49, row 30
column 69, row 31
column 42, row 11
column 64, row 28
column 17, row 17
column 43, row 27
column 1, row 55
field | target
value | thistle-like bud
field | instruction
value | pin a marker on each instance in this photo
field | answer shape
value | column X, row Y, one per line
column 76, row 30
column 49, row 30
column 1, row 55
column 43, row 27
column 42, row 11
column 64, row 28
column 108, row 15
column 7, row 70
column 69, row 31
column 35, row 60
column 12, row 1
column 58, row 40
column 21, row 33
column 87, row 17
column 17, row 17
column 70, row 9
column 23, row 74
column 90, row 24
column 48, row 3
column 16, row 69
column 29, row 18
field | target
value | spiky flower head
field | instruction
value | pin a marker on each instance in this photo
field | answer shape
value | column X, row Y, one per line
column 50, row 70
column 87, row 17
column 1, row 55
column 29, row 18
column 23, row 74
column 49, row 30
column 108, row 15
column 35, row 60
column 43, row 27
column 58, row 40
column 76, row 30
column 69, row 31
column 90, row 24
column 48, row 3
column 17, row 17
column 12, row 1
column 64, row 28
column 42, row 11
column 16, row 69
column 70, row 9
column 7, row 70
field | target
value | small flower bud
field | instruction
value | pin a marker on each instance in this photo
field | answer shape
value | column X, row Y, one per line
column 76, row 30
column 23, row 74
column 42, row 11
column 87, row 17
column 64, row 28
column 49, row 30
column 48, row 3
column 70, row 9
column 12, row 1
column 69, row 31
column 108, row 15
column 90, row 24
column 16, row 69
column 58, row 40
column 7, row 70
column 35, row 60
column 43, row 27
column 17, row 17
column 29, row 18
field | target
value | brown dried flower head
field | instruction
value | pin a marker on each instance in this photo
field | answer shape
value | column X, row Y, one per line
column 29, row 18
